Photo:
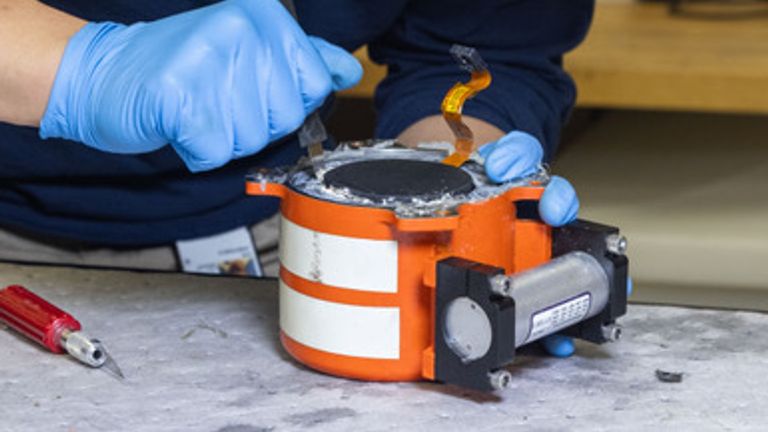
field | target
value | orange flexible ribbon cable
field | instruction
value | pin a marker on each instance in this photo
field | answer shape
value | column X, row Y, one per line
column 453, row 102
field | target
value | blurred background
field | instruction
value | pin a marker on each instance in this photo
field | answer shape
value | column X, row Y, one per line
column 669, row 141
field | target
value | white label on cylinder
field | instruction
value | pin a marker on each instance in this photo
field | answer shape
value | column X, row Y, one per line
column 358, row 331
column 343, row 262
column 559, row 316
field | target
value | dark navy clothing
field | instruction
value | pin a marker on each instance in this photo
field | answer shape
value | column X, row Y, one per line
column 66, row 190
column 522, row 40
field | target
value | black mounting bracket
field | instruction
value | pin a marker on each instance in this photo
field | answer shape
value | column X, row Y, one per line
column 592, row 238
column 457, row 278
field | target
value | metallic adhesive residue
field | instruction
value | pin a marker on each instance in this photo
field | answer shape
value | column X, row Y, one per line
column 311, row 183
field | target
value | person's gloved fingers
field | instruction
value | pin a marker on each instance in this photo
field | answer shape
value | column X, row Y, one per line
column 250, row 135
column 515, row 155
column 559, row 204
column 233, row 73
column 205, row 150
column 248, row 108
column 486, row 149
column 344, row 68
column 504, row 164
column 270, row 11
column 630, row 286
column 286, row 107
column 312, row 75
column 205, row 136
column 558, row 345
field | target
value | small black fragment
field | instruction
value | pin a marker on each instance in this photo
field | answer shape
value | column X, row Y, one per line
column 669, row 377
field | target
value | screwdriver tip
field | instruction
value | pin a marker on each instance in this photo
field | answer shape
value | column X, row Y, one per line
column 113, row 369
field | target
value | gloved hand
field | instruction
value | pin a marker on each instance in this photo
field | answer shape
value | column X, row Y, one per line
column 216, row 83
column 519, row 154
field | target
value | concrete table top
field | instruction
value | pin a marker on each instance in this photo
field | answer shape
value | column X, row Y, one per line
column 202, row 354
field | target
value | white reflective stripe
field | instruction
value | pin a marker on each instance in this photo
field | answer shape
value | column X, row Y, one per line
column 357, row 331
column 344, row 262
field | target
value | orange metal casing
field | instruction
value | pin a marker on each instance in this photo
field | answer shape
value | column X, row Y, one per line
column 487, row 232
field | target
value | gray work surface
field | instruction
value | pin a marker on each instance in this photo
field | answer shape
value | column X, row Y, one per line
column 202, row 354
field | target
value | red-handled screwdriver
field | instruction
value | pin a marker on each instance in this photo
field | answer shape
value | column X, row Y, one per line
column 52, row 328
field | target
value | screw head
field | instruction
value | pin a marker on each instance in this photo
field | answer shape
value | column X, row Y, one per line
column 500, row 379
column 500, row 285
column 612, row 332
column 616, row 244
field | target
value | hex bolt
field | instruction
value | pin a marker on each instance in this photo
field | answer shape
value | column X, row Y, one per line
column 616, row 244
column 500, row 285
column 611, row 332
column 500, row 379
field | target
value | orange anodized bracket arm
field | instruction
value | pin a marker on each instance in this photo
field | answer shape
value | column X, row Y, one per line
column 469, row 59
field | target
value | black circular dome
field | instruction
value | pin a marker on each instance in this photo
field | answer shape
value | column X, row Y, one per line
column 400, row 179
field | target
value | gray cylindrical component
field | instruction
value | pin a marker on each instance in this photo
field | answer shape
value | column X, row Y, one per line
column 556, row 295
column 467, row 329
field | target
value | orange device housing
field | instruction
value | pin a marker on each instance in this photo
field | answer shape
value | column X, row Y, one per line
column 488, row 232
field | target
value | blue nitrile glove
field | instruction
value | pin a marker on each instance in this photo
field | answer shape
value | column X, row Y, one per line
column 519, row 154
column 216, row 83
